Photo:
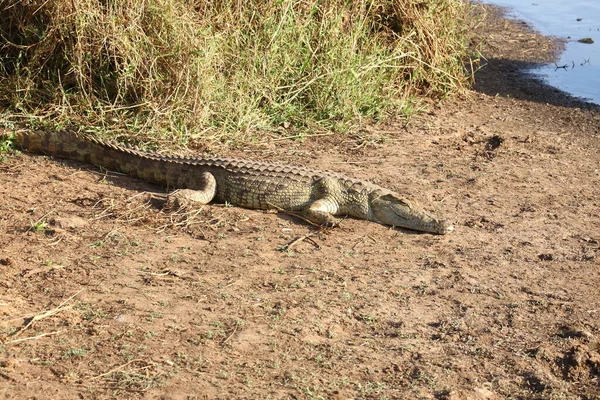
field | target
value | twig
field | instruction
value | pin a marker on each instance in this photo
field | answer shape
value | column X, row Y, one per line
column 45, row 268
column 300, row 239
column 33, row 337
column 49, row 313
column 57, row 241
column 296, row 241
column 112, row 232
column 362, row 240
column 115, row 369
column 560, row 66
column 8, row 378
column 231, row 334
column 292, row 137
column 351, row 162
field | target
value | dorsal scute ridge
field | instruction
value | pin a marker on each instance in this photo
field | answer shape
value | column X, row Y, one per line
column 233, row 164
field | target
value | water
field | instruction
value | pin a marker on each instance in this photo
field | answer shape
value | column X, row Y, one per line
column 581, row 73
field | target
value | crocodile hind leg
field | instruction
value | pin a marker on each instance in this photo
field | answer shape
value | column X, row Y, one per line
column 206, row 188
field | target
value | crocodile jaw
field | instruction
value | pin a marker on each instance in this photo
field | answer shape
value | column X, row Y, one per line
column 391, row 209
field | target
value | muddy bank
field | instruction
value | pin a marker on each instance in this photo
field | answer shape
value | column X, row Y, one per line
column 103, row 295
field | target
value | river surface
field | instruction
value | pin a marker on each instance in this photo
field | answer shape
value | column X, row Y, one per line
column 578, row 69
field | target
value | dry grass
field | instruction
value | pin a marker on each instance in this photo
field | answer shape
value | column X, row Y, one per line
column 224, row 70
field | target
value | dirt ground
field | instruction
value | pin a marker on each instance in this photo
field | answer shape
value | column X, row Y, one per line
column 104, row 295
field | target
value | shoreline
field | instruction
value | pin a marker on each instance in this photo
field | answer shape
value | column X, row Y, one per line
column 513, row 48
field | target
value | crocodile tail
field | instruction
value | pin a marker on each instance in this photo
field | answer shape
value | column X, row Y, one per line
column 61, row 144
column 85, row 148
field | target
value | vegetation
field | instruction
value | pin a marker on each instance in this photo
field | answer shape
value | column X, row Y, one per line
column 226, row 69
column 6, row 144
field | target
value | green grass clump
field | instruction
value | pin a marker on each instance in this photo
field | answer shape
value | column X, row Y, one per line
column 6, row 144
column 226, row 69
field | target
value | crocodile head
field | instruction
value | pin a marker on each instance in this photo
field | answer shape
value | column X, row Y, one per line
column 391, row 209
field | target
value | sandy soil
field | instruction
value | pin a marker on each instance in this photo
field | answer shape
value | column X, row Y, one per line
column 104, row 295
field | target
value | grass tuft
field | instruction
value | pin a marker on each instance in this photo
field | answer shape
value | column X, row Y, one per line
column 226, row 70
column 7, row 145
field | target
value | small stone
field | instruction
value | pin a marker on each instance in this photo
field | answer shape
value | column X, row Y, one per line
column 586, row 40
column 69, row 222
column 8, row 261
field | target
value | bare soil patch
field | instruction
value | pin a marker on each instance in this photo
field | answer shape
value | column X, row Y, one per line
column 105, row 295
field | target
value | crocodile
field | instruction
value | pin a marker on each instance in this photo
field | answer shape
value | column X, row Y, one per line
column 316, row 196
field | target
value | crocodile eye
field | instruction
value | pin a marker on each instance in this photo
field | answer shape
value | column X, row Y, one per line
column 395, row 200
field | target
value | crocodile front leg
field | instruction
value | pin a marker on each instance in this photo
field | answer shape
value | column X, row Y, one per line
column 322, row 211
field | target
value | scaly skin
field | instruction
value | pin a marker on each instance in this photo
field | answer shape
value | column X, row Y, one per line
column 316, row 195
